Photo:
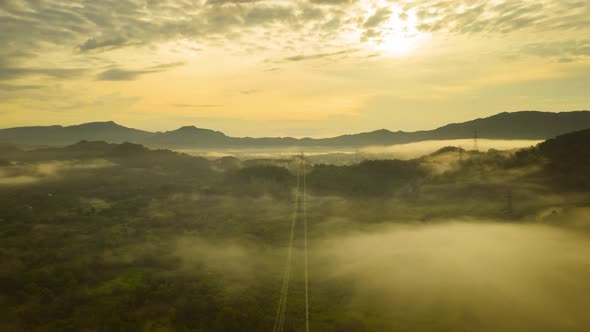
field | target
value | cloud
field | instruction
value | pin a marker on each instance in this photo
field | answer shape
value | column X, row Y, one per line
column 104, row 103
column 91, row 26
column 62, row 40
column 8, row 72
column 222, row 2
column 121, row 74
column 118, row 74
column 196, row 105
column 468, row 17
column 10, row 87
column 570, row 48
column 15, row 56
column 166, row 66
column 318, row 55
column 333, row 2
column 380, row 16
column 249, row 91
column 97, row 43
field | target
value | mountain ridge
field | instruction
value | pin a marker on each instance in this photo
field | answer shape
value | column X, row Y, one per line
column 505, row 125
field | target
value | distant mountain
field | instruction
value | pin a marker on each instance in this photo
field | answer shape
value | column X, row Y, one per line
column 188, row 136
column 515, row 125
column 61, row 136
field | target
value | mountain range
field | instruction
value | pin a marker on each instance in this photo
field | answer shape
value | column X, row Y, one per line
column 513, row 125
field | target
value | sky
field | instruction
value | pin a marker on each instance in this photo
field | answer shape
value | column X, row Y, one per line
column 289, row 67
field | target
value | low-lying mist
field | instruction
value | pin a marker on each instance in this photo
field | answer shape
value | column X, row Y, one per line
column 476, row 276
column 346, row 155
column 415, row 150
column 441, row 276
column 28, row 173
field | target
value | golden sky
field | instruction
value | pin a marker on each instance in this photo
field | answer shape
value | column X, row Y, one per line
column 289, row 67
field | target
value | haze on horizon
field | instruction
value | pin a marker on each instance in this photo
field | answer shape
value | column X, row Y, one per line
column 297, row 67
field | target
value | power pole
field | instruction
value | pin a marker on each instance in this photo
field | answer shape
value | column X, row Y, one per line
column 475, row 146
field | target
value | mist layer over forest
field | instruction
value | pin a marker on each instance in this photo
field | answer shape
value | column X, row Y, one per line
column 344, row 155
column 118, row 237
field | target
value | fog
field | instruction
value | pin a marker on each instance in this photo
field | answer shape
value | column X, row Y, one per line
column 467, row 275
column 414, row 150
column 482, row 276
column 28, row 173
column 239, row 263
column 347, row 155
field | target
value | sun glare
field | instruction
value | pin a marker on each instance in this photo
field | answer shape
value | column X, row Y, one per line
column 397, row 45
column 400, row 36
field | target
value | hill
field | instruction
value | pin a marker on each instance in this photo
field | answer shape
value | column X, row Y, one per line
column 515, row 125
column 61, row 136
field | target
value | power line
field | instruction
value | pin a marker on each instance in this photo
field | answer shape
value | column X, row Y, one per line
column 300, row 211
column 282, row 307
column 305, row 245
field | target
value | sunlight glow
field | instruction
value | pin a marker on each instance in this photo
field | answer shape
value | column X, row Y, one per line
column 400, row 36
column 397, row 44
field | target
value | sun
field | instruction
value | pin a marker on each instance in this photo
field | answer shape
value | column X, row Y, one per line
column 400, row 37
column 397, row 44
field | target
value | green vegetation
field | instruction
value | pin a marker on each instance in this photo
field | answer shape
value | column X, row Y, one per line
column 107, row 237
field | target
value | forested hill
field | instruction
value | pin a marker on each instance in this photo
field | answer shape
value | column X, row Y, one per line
column 516, row 125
